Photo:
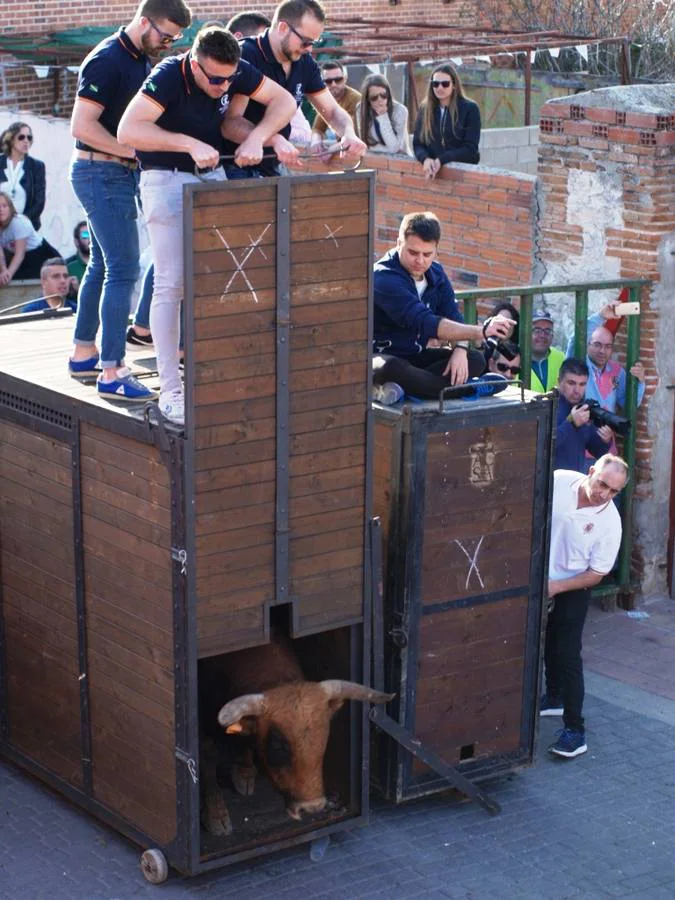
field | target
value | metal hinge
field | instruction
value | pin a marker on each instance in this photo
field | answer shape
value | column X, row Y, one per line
column 179, row 554
column 189, row 762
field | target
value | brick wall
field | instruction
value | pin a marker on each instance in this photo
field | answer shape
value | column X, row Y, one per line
column 22, row 16
column 487, row 216
column 607, row 174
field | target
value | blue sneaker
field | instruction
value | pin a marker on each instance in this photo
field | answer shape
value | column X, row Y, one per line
column 125, row 387
column 388, row 393
column 550, row 706
column 569, row 744
column 84, row 368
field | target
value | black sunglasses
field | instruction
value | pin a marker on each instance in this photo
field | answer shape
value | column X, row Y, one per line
column 337, row 80
column 25, row 137
column 443, row 84
column 217, row 79
column 306, row 42
column 374, row 97
column 514, row 370
column 164, row 36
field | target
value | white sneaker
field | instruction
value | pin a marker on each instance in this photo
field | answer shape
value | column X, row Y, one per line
column 172, row 407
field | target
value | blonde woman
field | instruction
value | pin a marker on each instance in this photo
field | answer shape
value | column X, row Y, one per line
column 448, row 124
column 381, row 121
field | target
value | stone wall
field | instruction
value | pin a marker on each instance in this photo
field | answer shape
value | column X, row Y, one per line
column 607, row 186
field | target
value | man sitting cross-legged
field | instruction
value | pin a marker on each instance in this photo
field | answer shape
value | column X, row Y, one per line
column 416, row 318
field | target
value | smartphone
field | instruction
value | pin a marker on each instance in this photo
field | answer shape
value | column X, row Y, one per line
column 626, row 309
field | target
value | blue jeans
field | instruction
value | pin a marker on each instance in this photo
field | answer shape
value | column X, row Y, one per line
column 107, row 191
column 142, row 314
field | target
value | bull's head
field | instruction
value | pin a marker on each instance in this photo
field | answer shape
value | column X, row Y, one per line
column 290, row 725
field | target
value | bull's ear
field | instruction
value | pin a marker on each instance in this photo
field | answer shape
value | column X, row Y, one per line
column 336, row 689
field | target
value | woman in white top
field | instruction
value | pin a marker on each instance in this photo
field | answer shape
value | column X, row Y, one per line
column 381, row 121
column 22, row 176
column 23, row 250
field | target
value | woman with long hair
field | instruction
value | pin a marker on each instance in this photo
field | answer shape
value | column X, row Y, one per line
column 448, row 124
column 21, row 176
column 22, row 250
column 381, row 121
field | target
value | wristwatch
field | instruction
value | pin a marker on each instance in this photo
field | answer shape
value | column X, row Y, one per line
column 463, row 344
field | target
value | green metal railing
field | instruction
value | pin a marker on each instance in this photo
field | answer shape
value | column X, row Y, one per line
column 525, row 294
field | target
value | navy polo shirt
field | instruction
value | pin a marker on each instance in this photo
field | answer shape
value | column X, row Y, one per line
column 186, row 109
column 110, row 76
column 304, row 78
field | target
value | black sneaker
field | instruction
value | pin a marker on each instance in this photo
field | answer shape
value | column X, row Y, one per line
column 550, row 706
column 569, row 744
column 138, row 340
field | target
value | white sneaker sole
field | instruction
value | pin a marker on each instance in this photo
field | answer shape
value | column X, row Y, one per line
column 569, row 754
column 557, row 711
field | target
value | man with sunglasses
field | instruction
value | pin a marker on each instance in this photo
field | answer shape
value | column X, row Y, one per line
column 175, row 124
column 508, row 366
column 78, row 262
column 335, row 78
column 104, row 177
column 585, row 541
column 283, row 53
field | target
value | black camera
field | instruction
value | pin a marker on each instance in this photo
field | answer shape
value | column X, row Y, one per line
column 600, row 417
column 507, row 349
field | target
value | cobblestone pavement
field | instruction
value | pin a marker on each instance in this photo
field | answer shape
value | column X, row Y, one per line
column 598, row 826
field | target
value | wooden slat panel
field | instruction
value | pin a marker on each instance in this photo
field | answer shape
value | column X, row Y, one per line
column 39, row 611
column 235, row 393
column 129, row 606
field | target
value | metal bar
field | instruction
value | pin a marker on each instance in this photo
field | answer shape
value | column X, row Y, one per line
column 528, row 88
column 525, row 338
column 418, row 749
column 80, row 604
column 580, row 324
column 283, row 332
column 630, row 411
column 530, row 289
column 470, row 311
column 377, row 603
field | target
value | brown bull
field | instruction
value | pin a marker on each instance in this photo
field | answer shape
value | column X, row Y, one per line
column 288, row 722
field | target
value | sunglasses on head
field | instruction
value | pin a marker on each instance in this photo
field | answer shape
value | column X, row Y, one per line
column 338, row 79
column 503, row 367
column 216, row 80
column 306, row 42
column 164, row 37
column 443, row 84
column 374, row 97
column 25, row 137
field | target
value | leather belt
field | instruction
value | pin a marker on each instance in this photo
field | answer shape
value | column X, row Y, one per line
column 97, row 156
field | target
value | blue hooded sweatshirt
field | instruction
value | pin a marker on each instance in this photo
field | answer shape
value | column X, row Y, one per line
column 403, row 323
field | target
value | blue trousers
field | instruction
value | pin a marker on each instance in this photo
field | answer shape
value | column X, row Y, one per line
column 107, row 191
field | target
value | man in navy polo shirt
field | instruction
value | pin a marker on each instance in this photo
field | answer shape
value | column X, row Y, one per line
column 175, row 124
column 104, row 178
column 283, row 53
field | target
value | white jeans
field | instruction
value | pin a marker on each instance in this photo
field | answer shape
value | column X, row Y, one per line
column 162, row 198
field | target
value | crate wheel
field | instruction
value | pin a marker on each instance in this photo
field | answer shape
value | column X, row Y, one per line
column 154, row 866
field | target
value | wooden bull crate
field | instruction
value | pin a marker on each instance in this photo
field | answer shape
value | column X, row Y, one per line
column 130, row 549
column 463, row 500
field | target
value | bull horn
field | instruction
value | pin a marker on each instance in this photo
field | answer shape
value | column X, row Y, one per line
column 336, row 689
column 246, row 705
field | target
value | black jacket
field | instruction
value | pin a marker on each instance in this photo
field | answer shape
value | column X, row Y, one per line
column 33, row 182
column 458, row 145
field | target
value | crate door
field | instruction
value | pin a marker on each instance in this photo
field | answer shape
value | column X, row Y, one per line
column 277, row 375
column 474, row 645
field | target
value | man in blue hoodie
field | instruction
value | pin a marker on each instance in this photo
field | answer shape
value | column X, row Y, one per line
column 575, row 434
column 417, row 318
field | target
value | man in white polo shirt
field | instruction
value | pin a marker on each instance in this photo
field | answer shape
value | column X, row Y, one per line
column 585, row 541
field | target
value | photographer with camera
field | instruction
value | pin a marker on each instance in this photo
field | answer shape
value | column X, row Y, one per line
column 576, row 432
